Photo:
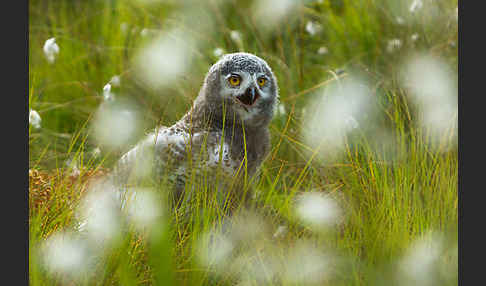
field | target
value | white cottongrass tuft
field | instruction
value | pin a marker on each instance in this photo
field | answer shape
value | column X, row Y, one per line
column 322, row 50
column 419, row 264
column 313, row 28
column 115, row 81
column 218, row 52
column 164, row 59
column 270, row 13
column 307, row 264
column 96, row 152
column 214, row 249
column 432, row 88
column 335, row 114
column 236, row 36
column 99, row 213
column 415, row 6
column 51, row 49
column 280, row 109
column 317, row 210
column 393, row 45
column 65, row 254
column 115, row 125
column 34, row 119
column 107, row 94
column 144, row 208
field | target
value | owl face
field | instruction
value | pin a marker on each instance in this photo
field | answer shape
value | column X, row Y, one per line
column 247, row 83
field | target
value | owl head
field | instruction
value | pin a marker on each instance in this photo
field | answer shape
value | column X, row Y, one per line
column 242, row 84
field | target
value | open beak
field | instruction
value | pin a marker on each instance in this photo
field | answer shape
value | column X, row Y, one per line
column 249, row 97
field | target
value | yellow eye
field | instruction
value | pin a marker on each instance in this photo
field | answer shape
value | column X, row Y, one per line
column 234, row 80
column 261, row 81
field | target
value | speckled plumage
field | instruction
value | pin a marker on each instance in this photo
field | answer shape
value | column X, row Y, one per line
column 198, row 140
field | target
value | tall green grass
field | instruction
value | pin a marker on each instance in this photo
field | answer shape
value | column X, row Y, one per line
column 391, row 194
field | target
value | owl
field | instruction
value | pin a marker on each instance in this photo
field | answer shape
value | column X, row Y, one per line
column 224, row 134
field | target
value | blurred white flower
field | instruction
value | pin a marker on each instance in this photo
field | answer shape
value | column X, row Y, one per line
column 317, row 210
column 164, row 59
column 432, row 88
column 400, row 20
column 115, row 125
column 328, row 122
column 350, row 122
column 246, row 228
column 218, row 52
column 115, row 80
column 144, row 32
column 144, row 208
column 51, row 49
column 269, row 13
column 235, row 36
column 307, row 264
column 419, row 264
column 34, row 119
column 414, row 37
column 280, row 109
column 415, row 6
column 100, row 213
column 214, row 249
column 322, row 50
column 312, row 28
column 107, row 94
column 96, row 152
column 393, row 44
column 63, row 253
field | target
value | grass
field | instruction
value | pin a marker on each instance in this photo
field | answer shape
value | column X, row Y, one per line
column 391, row 194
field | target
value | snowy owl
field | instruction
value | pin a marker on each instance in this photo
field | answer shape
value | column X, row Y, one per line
column 225, row 131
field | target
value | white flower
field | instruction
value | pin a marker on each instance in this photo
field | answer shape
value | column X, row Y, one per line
column 414, row 37
column 281, row 109
column 96, row 152
column 144, row 209
column 351, row 123
column 421, row 260
column 400, row 21
column 317, row 210
column 313, row 28
column 322, row 50
column 214, row 249
column 51, row 49
column 416, row 5
column 393, row 44
column 218, row 52
column 107, row 94
column 34, row 119
column 235, row 36
column 115, row 80
column 64, row 254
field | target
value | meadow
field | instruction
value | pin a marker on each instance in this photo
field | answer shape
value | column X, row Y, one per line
column 360, row 187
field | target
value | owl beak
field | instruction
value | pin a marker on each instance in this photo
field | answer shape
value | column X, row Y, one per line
column 249, row 97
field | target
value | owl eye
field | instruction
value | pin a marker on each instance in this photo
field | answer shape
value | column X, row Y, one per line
column 262, row 81
column 234, row 80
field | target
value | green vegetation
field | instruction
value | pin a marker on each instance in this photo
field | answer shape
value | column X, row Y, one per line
column 392, row 192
